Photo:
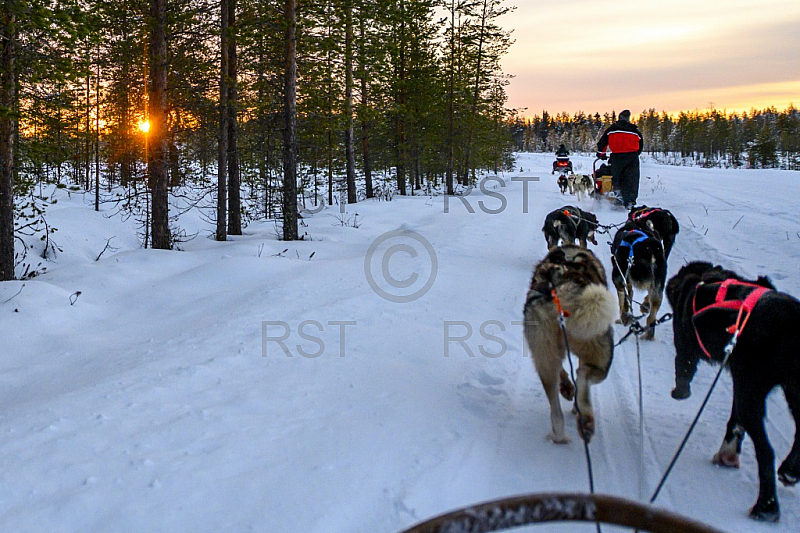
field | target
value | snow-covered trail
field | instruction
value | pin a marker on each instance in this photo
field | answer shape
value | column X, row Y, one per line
column 155, row 403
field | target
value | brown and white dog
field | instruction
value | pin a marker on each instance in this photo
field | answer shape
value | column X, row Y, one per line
column 579, row 282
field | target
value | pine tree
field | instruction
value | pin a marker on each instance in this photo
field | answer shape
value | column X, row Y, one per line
column 8, row 39
column 224, row 128
column 348, row 104
column 157, row 104
column 234, row 179
column 290, row 119
column 42, row 37
column 486, row 42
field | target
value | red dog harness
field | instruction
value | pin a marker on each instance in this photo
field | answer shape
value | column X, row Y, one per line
column 745, row 305
column 644, row 213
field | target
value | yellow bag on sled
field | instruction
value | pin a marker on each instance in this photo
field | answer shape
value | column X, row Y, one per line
column 606, row 187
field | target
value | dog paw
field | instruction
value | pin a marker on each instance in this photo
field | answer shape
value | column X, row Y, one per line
column 586, row 427
column 727, row 459
column 567, row 390
column 788, row 476
column 650, row 334
column 558, row 439
column 767, row 511
column 681, row 392
column 644, row 307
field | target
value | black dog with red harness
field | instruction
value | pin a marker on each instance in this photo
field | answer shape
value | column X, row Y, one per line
column 710, row 306
column 662, row 221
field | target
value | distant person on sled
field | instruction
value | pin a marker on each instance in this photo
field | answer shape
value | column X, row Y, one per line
column 625, row 143
column 562, row 160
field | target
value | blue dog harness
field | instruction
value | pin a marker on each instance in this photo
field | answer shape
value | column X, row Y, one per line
column 642, row 236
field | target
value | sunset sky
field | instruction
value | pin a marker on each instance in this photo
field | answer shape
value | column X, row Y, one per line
column 573, row 55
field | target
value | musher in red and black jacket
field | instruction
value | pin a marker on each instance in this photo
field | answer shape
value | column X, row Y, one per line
column 625, row 143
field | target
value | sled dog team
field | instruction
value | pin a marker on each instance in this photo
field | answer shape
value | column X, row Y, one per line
column 710, row 305
column 580, row 185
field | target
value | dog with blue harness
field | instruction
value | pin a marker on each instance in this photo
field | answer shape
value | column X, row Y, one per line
column 638, row 262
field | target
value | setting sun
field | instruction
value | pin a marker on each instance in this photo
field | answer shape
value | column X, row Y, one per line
column 144, row 126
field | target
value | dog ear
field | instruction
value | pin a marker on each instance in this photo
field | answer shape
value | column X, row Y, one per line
column 557, row 256
column 764, row 281
column 716, row 273
column 696, row 267
column 548, row 275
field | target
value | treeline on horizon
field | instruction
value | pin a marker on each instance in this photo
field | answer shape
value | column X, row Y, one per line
column 406, row 93
column 757, row 139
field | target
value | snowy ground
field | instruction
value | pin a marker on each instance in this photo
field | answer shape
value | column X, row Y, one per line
column 154, row 402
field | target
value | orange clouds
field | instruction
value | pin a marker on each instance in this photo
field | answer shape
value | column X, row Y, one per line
column 580, row 55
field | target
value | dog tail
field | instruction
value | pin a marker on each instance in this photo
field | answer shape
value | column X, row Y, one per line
column 641, row 271
column 593, row 314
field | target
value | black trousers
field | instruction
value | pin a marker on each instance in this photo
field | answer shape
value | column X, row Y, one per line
column 625, row 175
